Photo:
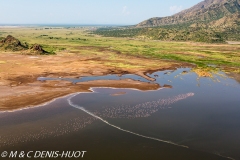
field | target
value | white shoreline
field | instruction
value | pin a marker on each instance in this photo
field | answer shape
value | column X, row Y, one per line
column 48, row 102
column 106, row 122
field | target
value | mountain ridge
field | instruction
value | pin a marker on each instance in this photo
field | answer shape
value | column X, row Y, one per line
column 210, row 21
column 205, row 11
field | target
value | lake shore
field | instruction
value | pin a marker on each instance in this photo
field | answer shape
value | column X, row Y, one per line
column 20, row 88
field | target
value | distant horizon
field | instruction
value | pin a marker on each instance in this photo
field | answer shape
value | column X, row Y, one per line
column 57, row 24
column 81, row 12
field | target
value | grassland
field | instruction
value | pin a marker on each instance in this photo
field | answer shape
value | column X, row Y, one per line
column 77, row 41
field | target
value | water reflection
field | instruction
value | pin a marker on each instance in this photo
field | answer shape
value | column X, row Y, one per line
column 199, row 112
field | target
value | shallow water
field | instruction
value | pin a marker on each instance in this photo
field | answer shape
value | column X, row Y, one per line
column 197, row 119
column 91, row 78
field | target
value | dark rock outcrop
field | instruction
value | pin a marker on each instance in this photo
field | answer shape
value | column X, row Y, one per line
column 12, row 44
column 37, row 49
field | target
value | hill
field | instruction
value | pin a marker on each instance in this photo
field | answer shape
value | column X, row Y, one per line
column 37, row 49
column 205, row 11
column 11, row 43
column 211, row 21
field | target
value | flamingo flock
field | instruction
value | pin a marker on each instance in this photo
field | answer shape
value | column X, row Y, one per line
column 141, row 110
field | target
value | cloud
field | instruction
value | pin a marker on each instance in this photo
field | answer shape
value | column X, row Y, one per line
column 125, row 11
column 175, row 9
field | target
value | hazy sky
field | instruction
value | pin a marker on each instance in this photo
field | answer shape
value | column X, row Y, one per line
column 87, row 11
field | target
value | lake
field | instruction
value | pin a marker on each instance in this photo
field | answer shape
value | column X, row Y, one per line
column 189, row 117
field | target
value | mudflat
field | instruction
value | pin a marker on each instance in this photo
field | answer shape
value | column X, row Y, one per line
column 20, row 88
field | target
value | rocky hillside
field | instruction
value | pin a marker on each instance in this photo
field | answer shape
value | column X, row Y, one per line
column 205, row 11
column 37, row 49
column 12, row 44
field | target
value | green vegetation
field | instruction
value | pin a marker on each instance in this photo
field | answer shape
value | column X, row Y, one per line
column 198, row 32
column 81, row 43
column 117, row 32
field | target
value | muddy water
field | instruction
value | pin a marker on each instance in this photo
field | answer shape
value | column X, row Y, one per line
column 196, row 119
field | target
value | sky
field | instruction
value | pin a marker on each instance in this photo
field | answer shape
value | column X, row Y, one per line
column 120, row 12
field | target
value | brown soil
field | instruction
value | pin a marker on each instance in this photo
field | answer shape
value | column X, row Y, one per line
column 167, row 86
column 20, row 88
